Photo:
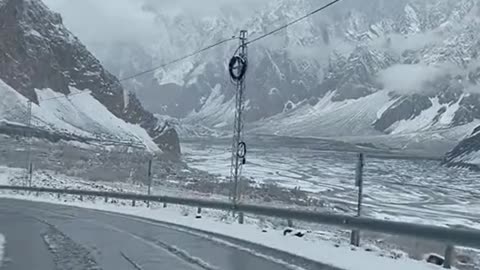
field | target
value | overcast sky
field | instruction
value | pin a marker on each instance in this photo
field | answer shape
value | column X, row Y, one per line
column 126, row 20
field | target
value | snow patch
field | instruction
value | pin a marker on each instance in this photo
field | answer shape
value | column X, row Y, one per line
column 421, row 122
column 174, row 75
column 447, row 117
column 80, row 114
column 429, row 119
column 386, row 107
column 35, row 33
column 412, row 18
column 327, row 118
column 216, row 112
column 86, row 114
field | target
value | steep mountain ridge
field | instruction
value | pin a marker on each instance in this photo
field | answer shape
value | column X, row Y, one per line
column 400, row 69
column 71, row 91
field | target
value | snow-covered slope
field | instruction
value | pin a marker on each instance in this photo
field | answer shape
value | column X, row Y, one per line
column 363, row 68
column 72, row 94
column 467, row 152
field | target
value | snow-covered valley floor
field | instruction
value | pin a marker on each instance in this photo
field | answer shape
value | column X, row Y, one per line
column 411, row 190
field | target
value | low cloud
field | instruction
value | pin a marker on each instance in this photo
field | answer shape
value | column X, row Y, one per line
column 205, row 7
column 408, row 79
column 137, row 21
column 97, row 21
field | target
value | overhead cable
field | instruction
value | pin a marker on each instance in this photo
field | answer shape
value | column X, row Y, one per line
column 154, row 68
column 293, row 22
column 177, row 60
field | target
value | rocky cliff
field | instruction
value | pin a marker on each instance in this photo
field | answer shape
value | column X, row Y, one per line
column 37, row 52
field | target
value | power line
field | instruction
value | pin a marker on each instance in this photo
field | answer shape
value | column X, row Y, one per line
column 8, row 111
column 293, row 22
column 154, row 68
column 229, row 39
column 177, row 60
column 209, row 47
column 66, row 96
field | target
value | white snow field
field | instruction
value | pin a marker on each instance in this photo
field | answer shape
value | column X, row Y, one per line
column 412, row 190
column 79, row 114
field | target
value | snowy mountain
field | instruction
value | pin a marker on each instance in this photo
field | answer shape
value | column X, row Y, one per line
column 466, row 153
column 403, row 72
column 73, row 97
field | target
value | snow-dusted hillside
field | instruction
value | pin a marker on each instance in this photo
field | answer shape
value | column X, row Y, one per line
column 361, row 69
column 72, row 95
column 467, row 152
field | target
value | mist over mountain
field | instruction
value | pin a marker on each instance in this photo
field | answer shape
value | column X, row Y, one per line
column 400, row 73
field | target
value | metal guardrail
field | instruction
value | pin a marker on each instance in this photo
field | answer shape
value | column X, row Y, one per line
column 449, row 236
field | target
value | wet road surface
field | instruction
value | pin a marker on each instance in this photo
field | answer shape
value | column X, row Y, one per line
column 46, row 236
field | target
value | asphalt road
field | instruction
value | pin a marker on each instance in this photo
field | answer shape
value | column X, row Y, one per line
column 46, row 236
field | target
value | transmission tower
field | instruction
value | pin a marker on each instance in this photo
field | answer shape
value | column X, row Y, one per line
column 238, row 69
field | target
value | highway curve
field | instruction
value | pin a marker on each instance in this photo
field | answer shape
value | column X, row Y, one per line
column 45, row 236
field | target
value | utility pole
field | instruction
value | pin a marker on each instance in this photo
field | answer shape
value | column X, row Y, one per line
column 28, row 147
column 238, row 69
column 355, row 235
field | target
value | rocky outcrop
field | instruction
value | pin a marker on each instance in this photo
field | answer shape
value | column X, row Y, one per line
column 467, row 153
column 403, row 109
column 38, row 52
column 355, row 76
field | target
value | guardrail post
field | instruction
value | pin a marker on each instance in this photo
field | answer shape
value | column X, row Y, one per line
column 30, row 174
column 240, row 217
column 355, row 236
column 290, row 223
column 133, row 203
column 449, row 252
column 106, row 199
column 81, row 198
column 149, row 174
column 164, row 205
column 58, row 195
